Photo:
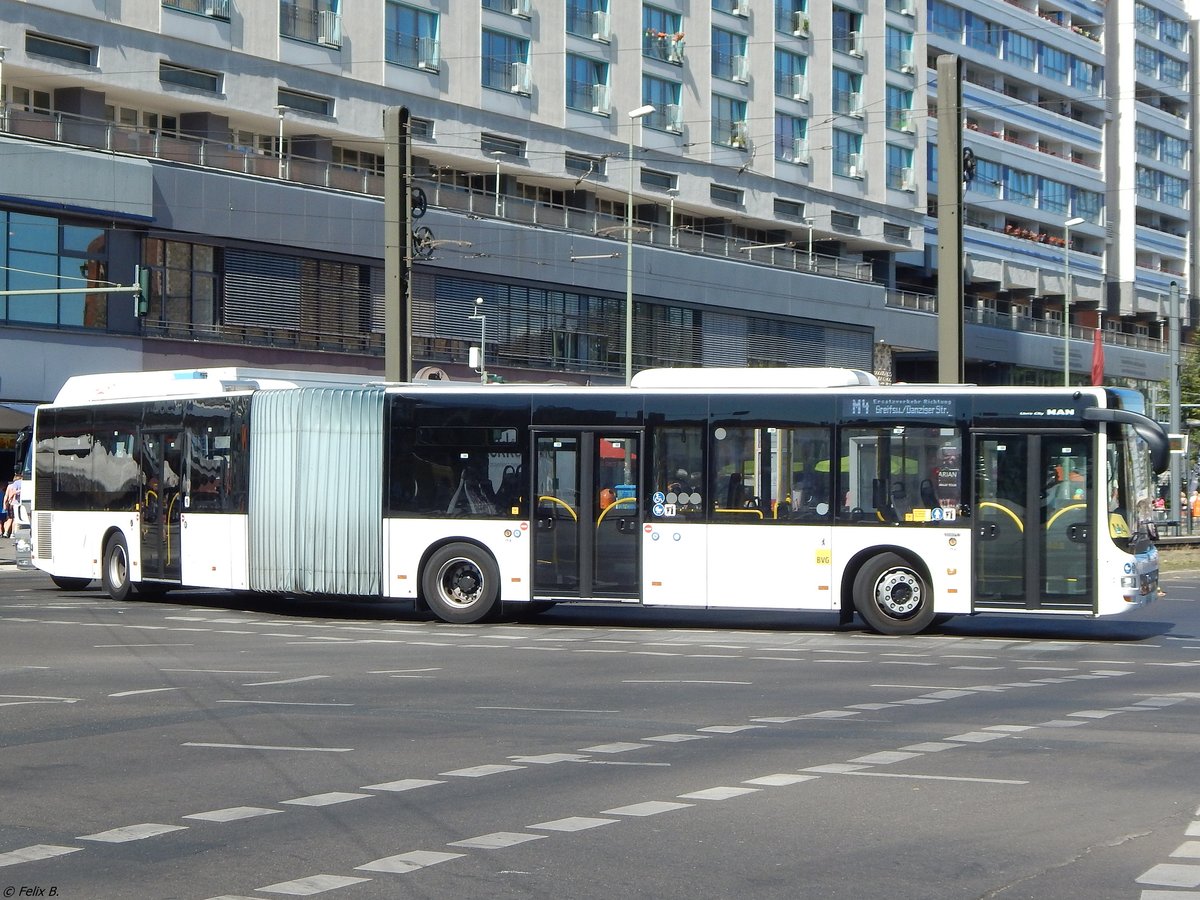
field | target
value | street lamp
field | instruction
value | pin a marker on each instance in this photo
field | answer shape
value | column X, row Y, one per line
column 808, row 223
column 634, row 116
column 672, row 193
column 1067, row 226
column 280, row 111
column 496, row 154
column 3, row 96
column 480, row 362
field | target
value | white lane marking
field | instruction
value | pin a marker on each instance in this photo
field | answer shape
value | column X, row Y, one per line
column 481, row 771
column 1159, row 701
column 937, row 777
column 233, row 814
column 718, row 793
column 835, row 768
column 327, row 799
column 404, row 784
column 408, row 862
column 131, row 833
column 885, row 757
column 1188, row 849
column 1193, row 830
column 313, row 884
column 975, row 737
column 37, row 697
column 1094, row 713
column 496, row 841
column 832, row 714
column 36, row 852
column 728, row 729
column 1012, row 728
column 267, row 747
column 285, row 681
column 916, row 701
column 284, row 703
column 546, row 759
column 781, row 780
column 677, row 738
column 616, row 747
column 1171, row 875
column 144, row 691
column 225, row 671
column 1061, row 723
column 948, row 694
column 404, row 671
column 1169, row 895
column 548, row 709
column 574, row 823
column 649, row 808
column 680, row 681
column 871, row 706
column 930, row 747
column 124, row 646
column 776, row 720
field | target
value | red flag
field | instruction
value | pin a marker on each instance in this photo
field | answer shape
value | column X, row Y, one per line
column 1098, row 360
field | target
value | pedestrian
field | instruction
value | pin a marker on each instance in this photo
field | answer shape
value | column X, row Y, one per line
column 12, row 499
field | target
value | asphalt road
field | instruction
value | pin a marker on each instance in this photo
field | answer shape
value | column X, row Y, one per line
column 215, row 747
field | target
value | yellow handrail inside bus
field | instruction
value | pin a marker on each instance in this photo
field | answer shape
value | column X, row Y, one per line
column 1065, row 509
column 562, row 503
column 604, row 512
column 988, row 504
column 746, row 512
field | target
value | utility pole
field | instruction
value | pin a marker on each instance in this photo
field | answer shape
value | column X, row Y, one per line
column 1174, row 425
column 397, row 244
column 949, row 220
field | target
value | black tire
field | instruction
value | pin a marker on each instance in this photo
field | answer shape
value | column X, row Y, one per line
column 893, row 596
column 461, row 584
column 70, row 584
column 114, row 575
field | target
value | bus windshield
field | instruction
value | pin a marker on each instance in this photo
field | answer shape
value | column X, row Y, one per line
column 1131, row 483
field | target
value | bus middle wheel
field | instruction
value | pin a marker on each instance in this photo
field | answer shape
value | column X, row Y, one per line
column 461, row 584
column 893, row 596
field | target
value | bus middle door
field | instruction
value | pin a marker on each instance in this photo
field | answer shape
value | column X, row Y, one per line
column 587, row 524
column 161, row 504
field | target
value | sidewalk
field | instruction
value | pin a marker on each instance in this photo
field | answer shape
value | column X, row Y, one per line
column 8, row 552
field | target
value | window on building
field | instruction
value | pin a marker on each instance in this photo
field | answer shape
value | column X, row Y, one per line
column 1173, row 151
column 587, row 84
column 1146, row 180
column 847, row 92
column 60, row 49
column 664, row 96
column 588, row 18
column 1145, row 60
column 43, row 252
column 309, row 103
column 989, row 176
column 1174, row 32
column 728, row 55
column 847, row 153
column 898, row 55
column 1055, row 196
column 846, row 36
column 496, row 143
column 1086, row 76
column 1088, row 204
column 315, row 21
column 181, row 76
column 662, row 34
column 1020, row 187
column 183, row 282
column 411, row 37
column 791, row 15
column 790, row 74
column 1020, row 49
column 1174, row 191
column 791, row 139
column 900, row 168
column 899, row 108
column 1172, row 71
column 1145, row 19
column 729, row 122
column 1146, row 140
column 505, row 64
column 984, row 35
column 945, row 20
column 1055, row 63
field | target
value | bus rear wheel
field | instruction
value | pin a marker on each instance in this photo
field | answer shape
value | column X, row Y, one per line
column 70, row 584
column 461, row 584
column 114, row 575
column 893, row 596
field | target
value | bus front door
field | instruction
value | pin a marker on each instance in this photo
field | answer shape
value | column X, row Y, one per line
column 1033, row 540
column 587, row 526
column 161, row 506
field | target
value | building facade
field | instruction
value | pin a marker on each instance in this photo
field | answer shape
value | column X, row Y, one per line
column 783, row 188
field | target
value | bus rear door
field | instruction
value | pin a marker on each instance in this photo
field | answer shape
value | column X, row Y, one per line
column 161, row 504
column 587, row 520
column 1034, row 544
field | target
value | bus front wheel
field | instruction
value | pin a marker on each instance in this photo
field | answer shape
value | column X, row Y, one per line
column 115, row 573
column 461, row 584
column 893, row 596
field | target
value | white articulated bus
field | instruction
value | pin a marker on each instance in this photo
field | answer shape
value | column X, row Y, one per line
column 770, row 489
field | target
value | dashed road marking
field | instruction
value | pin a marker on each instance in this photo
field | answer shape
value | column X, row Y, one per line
column 649, row 808
column 480, row 771
column 34, row 853
column 233, row 814
column 408, row 862
column 327, row 799
column 267, row 747
column 313, row 884
column 718, row 793
column 497, row 840
column 404, row 784
column 131, row 833
column 574, row 823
